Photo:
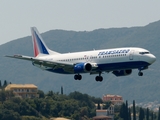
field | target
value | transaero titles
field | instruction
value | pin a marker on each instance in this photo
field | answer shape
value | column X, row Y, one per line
column 114, row 52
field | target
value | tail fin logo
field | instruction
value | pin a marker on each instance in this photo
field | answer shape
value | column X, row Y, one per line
column 38, row 44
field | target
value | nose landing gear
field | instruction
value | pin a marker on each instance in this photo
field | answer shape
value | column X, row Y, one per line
column 140, row 73
column 140, row 69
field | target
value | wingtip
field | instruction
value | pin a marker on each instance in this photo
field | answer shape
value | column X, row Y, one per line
column 13, row 56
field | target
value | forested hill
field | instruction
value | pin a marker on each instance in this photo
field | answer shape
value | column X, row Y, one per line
column 131, row 87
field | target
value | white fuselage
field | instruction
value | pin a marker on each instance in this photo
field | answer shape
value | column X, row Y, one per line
column 107, row 59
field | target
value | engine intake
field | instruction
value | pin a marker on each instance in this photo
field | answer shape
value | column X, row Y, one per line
column 122, row 72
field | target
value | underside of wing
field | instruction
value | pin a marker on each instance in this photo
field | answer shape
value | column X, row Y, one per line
column 44, row 63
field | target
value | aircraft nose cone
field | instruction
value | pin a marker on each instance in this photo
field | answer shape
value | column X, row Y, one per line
column 152, row 59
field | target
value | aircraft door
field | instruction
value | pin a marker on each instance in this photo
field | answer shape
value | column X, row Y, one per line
column 131, row 55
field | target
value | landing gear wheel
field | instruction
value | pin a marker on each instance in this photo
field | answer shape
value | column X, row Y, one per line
column 78, row 77
column 99, row 78
column 96, row 78
column 140, row 73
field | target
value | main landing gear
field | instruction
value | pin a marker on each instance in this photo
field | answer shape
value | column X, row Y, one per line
column 78, row 77
column 99, row 78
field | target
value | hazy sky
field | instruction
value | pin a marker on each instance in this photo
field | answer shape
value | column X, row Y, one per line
column 17, row 16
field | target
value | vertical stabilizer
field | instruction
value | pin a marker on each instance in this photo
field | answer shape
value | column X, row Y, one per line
column 39, row 47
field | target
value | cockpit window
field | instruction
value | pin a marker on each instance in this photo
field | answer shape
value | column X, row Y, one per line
column 142, row 53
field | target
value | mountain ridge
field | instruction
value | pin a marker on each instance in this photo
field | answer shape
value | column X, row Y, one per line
column 130, row 87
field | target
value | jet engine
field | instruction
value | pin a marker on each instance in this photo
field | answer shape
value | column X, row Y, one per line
column 122, row 72
column 82, row 67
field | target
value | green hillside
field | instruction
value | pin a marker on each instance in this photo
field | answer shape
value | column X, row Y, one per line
column 131, row 87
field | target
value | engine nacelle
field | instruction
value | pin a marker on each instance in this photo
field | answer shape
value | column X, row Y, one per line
column 82, row 67
column 122, row 72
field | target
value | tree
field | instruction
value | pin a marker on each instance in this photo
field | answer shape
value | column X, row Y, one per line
column 141, row 114
column 107, row 104
column 129, row 114
column 41, row 94
column 147, row 114
column 98, row 106
column 159, row 114
column 5, row 84
column 117, row 108
column 2, row 96
column 0, row 84
column 152, row 116
column 61, row 90
column 84, row 111
column 50, row 93
column 122, row 111
column 126, row 111
column 9, row 94
column 74, row 106
column 96, row 100
column 10, row 105
column 134, row 110
column 83, row 98
column 75, row 116
column 9, row 115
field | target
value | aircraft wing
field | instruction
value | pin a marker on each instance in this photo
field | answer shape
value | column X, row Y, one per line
column 47, row 63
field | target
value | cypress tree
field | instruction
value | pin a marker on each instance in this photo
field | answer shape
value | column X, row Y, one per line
column 5, row 84
column 141, row 114
column 152, row 116
column 147, row 114
column 122, row 111
column 0, row 84
column 159, row 114
column 98, row 107
column 129, row 114
column 134, row 110
column 61, row 90
column 126, row 114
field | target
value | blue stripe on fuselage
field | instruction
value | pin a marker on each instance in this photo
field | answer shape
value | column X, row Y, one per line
column 110, row 67
column 123, row 65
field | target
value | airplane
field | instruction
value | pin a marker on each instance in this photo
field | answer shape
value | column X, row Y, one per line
column 119, row 61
